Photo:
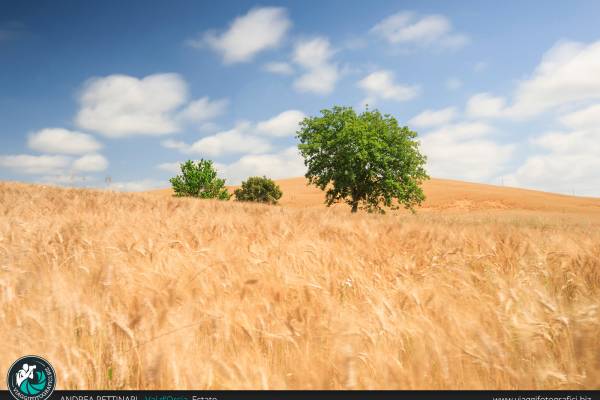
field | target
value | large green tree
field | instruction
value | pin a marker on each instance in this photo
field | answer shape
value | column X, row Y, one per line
column 366, row 160
column 199, row 180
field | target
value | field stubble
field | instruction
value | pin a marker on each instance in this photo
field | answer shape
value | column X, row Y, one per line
column 143, row 291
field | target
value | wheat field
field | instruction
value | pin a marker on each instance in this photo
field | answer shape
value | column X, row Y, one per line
column 136, row 290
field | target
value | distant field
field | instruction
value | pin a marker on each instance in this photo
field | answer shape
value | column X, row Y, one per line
column 449, row 195
column 485, row 287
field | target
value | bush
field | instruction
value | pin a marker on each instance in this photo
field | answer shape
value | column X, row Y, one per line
column 199, row 180
column 259, row 189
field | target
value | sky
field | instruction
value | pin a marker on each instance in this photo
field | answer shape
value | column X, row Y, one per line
column 116, row 94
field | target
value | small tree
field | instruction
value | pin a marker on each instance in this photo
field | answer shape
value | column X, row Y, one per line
column 199, row 180
column 365, row 160
column 259, row 189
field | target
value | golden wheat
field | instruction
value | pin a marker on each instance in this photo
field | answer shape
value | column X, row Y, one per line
column 143, row 291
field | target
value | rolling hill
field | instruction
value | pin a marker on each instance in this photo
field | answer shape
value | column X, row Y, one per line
column 450, row 195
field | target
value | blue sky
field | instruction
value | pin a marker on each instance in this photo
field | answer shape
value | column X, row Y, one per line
column 501, row 93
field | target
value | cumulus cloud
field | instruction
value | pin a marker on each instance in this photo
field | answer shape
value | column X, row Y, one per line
column 381, row 85
column 320, row 73
column 286, row 163
column 53, row 165
column 90, row 163
column 229, row 142
column 411, row 28
column 238, row 140
column 566, row 75
column 28, row 164
column 62, row 141
column 565, row 161
column 245, row 137
column 260, row 29
column 121, row 105
column 430, row 118
column 203, row 110
column 562, row 173
column 280, row 68
column 283, row 124
column 587, row 118
column 462, row 151
column 485, row 105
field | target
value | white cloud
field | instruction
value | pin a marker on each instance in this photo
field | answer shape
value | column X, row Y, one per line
column 280, row 68
column 286, row 163
column 570, row 163
column 120, row 105
column 321, row 74
column 283, row 124
column 461, row 151
column 429, row 118
column 29, row 164
column 567, row 73
column 562, row 173
column 574, row 142
column 380, row 85
column 410, row 28
column 234, row 141
column 62, row 141
column 588, row 118
column 90, row 163
column 202, row 110
column 283, row 164
column 485, row 105
column 245, row 137
column 258, row 30
column 138, row 185
column 566, row 76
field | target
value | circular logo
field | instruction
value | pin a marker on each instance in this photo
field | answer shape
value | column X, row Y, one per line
column 31, row 378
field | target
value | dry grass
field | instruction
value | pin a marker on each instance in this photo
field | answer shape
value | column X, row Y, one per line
column 146, row 291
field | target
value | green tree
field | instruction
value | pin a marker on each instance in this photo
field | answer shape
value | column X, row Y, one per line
column 365, row 160
column 259, row 189
column 199, row 180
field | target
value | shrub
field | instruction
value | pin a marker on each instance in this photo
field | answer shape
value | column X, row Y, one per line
column 199, row 180
column 259, row 189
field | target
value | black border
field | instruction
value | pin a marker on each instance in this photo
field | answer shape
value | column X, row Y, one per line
column 320, row 394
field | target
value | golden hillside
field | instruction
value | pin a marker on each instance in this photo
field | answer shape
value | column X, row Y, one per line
column 450, row 195
column 139, row 290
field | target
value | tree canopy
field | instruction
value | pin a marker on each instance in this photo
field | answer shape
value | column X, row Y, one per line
column 366, row 160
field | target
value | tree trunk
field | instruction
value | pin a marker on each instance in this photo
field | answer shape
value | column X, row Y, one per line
column 354, row 206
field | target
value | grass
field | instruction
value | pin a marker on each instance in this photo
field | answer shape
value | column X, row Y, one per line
column 142, row 291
